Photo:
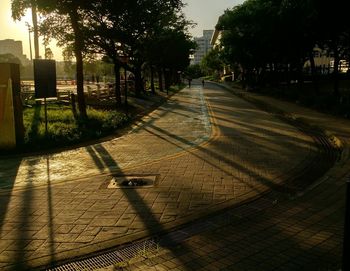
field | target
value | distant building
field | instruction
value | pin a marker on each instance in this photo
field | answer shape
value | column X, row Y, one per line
column 216, row 38
column 216, row 43
column 324, row 62
column 204, row 46
column 15, row 48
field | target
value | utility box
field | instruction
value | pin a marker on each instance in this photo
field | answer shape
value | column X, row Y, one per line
column 11, row 109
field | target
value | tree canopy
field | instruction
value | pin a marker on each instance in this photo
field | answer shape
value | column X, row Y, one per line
column 116, row 29
column 280, row 35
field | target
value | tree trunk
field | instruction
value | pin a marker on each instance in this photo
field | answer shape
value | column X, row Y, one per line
column 152, row 80
column 300, row 77
column 138, row 80
column 118, row 97
column 288, row 74
column 160, row 79
column 243, row 78
column 78, row 48
column 176, row 77
column 35, row 28
column 336, row 72
column 166, row 79
column 314, row 74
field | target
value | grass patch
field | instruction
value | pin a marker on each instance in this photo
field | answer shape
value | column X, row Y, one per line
column 64, row 129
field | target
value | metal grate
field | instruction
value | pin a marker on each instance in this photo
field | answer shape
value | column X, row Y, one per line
column 124, row 255
column 130, row 181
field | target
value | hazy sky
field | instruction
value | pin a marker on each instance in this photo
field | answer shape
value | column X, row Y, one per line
column 206, row 12
column 203, row 12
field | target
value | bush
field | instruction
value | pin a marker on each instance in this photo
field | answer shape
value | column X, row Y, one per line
column 64, row 129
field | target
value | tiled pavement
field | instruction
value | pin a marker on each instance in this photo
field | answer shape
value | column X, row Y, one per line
column 209, row 149
column 303, row 232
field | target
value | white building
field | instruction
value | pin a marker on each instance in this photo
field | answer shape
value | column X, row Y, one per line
column 13, row 47
column 204, row 46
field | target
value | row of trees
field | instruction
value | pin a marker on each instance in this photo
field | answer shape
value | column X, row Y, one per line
column 132, row 34
column 269, row 38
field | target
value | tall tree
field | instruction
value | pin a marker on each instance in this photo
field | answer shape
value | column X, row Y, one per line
column 212, row 63
column 124, row 28
column 169, row 49
column 63, row 21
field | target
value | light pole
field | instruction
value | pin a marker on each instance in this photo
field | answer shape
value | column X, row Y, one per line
column 35, row 30
column 30, row 41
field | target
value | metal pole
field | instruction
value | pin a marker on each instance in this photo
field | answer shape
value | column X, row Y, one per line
column 126, row 89
column 30, row 42
column 35, row 29
column 45, row 56
column 346, row 244
column 45, row 106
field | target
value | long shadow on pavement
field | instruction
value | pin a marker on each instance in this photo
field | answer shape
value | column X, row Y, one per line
column 23, row 244
column 219, row 157
column 144, row 212
column 282, row 237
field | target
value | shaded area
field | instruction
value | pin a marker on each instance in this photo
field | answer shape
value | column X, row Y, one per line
column 17, row 232
column 302, row 235
column 146, row 210
column 143, row 211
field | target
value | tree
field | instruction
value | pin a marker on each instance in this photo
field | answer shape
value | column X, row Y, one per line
column 333, row 34
column 193, row 71
column 212, row 63
column 10, row 58
column 277, row 37
column 63, row 21
column 48, row 53
column 152, row 18
column 169, row 50
column 126, row 29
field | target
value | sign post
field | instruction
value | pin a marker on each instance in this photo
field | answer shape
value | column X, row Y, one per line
column 45, row 82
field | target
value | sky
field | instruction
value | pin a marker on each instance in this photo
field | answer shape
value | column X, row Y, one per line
column 204, row 13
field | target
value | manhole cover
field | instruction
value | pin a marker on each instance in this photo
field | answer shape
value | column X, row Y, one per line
column 138, row 181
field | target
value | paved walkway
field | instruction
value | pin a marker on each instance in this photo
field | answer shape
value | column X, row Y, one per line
column 300, row 233
column 209, row 150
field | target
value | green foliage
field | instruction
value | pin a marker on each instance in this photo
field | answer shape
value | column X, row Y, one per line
column 170, row 48
column 212, row 63
column 10, row 58
column 270, row 40
column 194, row 71
column 64, row 129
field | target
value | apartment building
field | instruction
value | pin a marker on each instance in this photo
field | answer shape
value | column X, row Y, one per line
column 14, row 47
column 204, row 46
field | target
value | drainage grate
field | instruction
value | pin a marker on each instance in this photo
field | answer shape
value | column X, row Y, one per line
column 138, row 181
column 145, row 248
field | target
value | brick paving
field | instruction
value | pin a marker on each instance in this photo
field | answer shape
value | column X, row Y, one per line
column 210, row 150
column 303, row 232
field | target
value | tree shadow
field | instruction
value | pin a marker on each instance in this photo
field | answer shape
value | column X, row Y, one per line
column 21, row 218
column 206, row 152
column 103, row 161
column 280, row 237
column 36, row 121
column 150, row 221
column 6, row 187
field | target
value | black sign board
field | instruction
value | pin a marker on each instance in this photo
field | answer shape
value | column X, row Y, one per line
column 45, row 78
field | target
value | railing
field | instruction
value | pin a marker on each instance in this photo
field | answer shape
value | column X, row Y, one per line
column 93, row 92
